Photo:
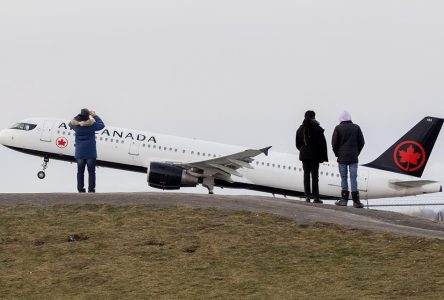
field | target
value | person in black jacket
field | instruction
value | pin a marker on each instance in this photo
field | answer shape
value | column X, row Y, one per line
column 312, row 146
column 347, row 142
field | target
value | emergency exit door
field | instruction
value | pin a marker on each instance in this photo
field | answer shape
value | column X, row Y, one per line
column 134, row 147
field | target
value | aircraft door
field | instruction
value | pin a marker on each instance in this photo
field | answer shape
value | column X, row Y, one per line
column 46, row 134
column 134, row 147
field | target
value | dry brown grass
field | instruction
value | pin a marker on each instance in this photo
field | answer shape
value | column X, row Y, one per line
column 142, row 252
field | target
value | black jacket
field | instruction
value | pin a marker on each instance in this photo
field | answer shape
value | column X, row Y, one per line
column 347, row 142
column 315, row 148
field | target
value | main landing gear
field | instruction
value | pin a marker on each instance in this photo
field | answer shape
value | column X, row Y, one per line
column 41, row 174
column 208, row 182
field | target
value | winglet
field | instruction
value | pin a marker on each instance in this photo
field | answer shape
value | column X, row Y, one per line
column 265, row 150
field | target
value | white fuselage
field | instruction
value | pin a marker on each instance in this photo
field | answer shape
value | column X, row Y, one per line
column 138, row 149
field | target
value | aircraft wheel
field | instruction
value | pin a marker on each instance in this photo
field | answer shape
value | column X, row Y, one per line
column 41, row 175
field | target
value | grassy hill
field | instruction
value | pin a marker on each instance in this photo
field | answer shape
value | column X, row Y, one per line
column 140, row 252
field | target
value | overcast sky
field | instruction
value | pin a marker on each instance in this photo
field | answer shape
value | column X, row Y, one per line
column 238, row 72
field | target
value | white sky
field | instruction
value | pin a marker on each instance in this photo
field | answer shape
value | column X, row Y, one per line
column 238, row 72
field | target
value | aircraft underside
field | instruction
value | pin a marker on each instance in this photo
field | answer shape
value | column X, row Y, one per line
column 132, row 168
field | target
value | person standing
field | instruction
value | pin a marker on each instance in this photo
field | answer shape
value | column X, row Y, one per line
column 312, row 146
column 347, row 142
column 85, row 126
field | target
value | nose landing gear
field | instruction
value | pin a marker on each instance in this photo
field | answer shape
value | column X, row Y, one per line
column 41, row 174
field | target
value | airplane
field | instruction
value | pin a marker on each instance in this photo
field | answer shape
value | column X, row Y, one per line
column 173, row 162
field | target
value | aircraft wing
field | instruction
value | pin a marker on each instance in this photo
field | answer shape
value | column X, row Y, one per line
column 226, row 166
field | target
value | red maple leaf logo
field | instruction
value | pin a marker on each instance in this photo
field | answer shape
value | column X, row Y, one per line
column 409, row 156
column 62, row 142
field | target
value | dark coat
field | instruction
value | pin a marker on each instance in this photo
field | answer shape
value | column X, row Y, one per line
column 347, row 142
column 86, row 137
column 315, row 148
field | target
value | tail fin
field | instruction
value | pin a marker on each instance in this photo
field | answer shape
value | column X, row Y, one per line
column 409, row 155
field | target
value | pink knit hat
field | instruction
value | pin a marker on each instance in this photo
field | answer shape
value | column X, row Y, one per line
column 345, row 116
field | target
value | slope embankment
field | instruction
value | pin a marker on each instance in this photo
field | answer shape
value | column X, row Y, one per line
column 300, row 212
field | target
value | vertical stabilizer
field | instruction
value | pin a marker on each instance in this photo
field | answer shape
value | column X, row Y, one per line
column 409, row 155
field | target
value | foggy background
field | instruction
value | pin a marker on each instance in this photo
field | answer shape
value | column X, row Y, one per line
column 237, row 72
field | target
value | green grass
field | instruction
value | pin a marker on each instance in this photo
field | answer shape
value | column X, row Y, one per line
column 141, row 252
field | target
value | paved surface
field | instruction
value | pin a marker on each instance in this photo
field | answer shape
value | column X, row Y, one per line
column 301, row 212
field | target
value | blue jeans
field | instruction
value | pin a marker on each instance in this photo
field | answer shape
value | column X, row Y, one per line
column 81, row 164
column 343, row 170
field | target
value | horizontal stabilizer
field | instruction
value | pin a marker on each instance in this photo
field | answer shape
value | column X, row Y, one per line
column 412, row 183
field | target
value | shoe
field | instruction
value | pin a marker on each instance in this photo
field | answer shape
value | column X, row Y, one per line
column 82, row 191
column 317, row 200
column 356, row 202
column 344, row 199
column 92, row 191
column 307, row 199
column 358, row 205
column 341, row 203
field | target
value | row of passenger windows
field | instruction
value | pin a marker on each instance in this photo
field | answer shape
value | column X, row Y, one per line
column 198, row 153
column 292, row 168
column 145, row 145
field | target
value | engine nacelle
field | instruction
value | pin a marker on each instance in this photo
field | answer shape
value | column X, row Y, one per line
column 169, row 177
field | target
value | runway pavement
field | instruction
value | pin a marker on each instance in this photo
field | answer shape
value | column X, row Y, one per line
column 300, row 212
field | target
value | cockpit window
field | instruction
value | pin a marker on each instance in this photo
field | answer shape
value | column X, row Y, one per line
column 24, row 126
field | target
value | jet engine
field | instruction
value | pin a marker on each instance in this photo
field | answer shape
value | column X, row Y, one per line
column 169, row 177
